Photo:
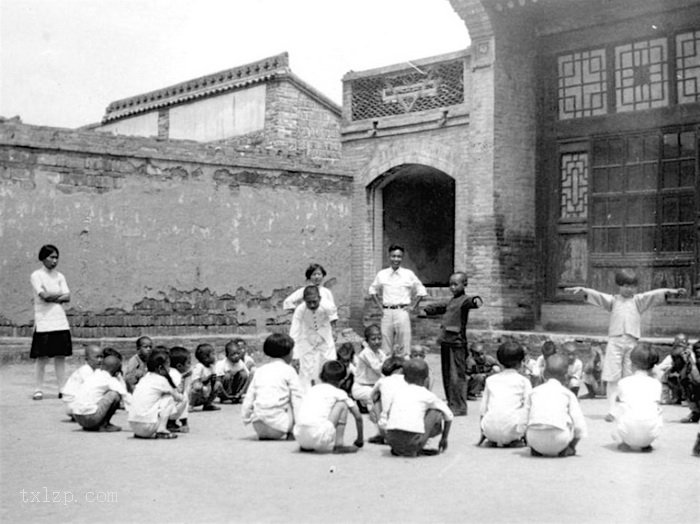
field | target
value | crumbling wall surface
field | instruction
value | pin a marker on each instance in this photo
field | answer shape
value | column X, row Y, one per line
column 163, row 236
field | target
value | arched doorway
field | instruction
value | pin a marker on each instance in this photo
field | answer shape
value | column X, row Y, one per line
column 415, row 208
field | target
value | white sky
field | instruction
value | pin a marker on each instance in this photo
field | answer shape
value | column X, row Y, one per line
column 63, row 61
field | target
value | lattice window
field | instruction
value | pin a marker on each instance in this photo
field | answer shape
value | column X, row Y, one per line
column 428, row 87
column 582, row 84
column 688, row 67
column 574, row 185
column 641, row 75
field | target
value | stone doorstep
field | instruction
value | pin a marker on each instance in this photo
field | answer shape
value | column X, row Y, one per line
column 16, row 349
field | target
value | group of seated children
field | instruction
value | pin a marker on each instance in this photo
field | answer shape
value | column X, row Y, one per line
column 158, row 387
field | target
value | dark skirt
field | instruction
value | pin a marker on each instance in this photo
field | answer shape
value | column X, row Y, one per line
column 51, row 344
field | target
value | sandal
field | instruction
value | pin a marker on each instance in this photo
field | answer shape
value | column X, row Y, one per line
column 165, row 436
column 38, row 395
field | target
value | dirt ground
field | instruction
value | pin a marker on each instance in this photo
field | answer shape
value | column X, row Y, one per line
column 54, row 472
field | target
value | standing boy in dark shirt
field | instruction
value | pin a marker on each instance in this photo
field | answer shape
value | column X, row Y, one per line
column 453, row 342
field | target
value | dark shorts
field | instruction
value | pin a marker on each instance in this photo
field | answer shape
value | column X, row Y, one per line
column 51, row 344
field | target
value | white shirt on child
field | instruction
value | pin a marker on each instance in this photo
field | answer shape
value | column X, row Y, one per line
column 574, row 373
column 639, row 396
column 407, row 410
column 94, row 388
column 504, row 404
column 296, row 298
column 224, row 366
column 625, row 313
column 202, row 372
column 554, row 406
column 369, row 366
column 48, row 316
column 75, row 381
column 388, row 388
column 273, row 391
column 318, row 402
column 145, row 399
column 312, row 331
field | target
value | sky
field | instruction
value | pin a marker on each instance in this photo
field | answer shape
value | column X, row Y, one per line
column 63, row 61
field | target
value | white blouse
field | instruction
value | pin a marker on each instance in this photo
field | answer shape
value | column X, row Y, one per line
column 49, row 316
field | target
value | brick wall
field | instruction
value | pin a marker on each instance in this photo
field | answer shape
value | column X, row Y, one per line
column 178, row 237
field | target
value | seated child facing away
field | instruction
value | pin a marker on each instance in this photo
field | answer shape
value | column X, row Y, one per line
column 99, row 397
column 346, row 356
column 504, row 405
column 480, row 366
column 574, row 373
column 369, row 366
column 324, row 412
column 416, row 415
column 549, row 348
column 181, row 373
column 670, row 369
column 136, row 365
column 383, row 394
column 690, row 379
column 205, row 384
column 234, row 371
column 637, row 410
column 93, row 361
column 555, row 422
column 420, row 352
column 592, row 371
column 273, row 399
column 155, row 400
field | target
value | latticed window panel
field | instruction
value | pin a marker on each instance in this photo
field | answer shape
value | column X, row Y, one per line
column 688, row 67
column 582, row 84
column 428, row 87
column 641, row 75
column 574, row 185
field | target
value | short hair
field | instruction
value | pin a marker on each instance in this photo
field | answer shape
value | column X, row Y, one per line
column 156, row 359
column 394, row 247
column 644, row 357
column 232, row 344
column 549, row 348
column 111, row 364
column 311, row 291
column 46, row 251
column 415, row 371
column 510, row 354
column 313, row 267
column 179, row 356
column 278, row 345
column 142, row 339
column 391, row 364
column 111, row 352
column 203, row 350
column 333, row 372
column 556, row 366
column 370, row 328
column 626, row 277
column 462, row 275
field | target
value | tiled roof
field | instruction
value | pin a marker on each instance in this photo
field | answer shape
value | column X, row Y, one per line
column 234, row 78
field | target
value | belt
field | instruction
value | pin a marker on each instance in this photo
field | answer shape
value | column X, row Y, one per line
column 398, row 306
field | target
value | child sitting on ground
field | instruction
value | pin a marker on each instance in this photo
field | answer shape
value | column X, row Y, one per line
column 273, row 399
column 637, row 411
column 383, row 393
column 136, row 365
column 369, row 367
column 233, row 371
column 555, row 423
column 480, row 366
column 324, row 412
column 549, row 348
column 346, row 356
column 99, row 397
column 574, row 373
column 529, row 368
column 504, row 405
column 420, row 352
column 93, row 361
column 155, row 399
column 181, row 373
column 312, row 330
column 416, row 415
column 669, row 371
column 592, row 372
column 690, row 379
column 205, row 384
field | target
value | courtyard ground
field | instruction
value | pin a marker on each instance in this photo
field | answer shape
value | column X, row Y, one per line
column 51, row 471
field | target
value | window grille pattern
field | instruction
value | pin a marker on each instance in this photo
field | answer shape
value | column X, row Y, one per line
column 582, row 89
column 417, row 89
column 688, row 67
column 574, row 185
column 641, row 75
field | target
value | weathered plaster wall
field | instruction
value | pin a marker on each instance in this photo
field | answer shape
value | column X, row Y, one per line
column 179, row 236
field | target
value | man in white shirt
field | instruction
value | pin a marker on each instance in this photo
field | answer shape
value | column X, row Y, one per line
column 398, row 287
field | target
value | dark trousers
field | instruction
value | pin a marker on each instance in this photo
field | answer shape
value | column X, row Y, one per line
column 234, row 385
column 408, row 443
column 454, row 375
column 106, row 408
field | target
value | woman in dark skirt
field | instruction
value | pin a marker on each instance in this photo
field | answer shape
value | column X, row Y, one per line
column 51, row 337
